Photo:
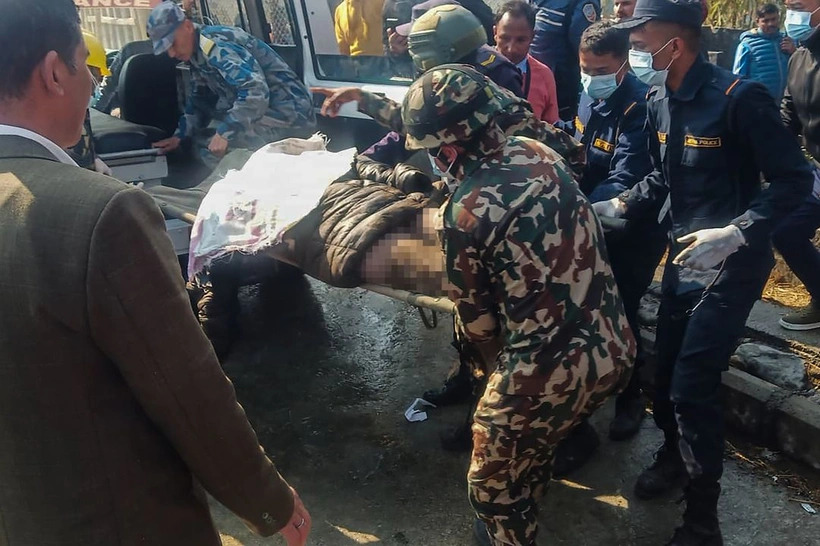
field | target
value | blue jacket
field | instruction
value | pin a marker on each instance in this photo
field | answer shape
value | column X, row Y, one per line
column 616, row 140
column 759, row 58
column 558, row 28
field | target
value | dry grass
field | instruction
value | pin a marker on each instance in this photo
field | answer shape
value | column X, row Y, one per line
column 784, row 287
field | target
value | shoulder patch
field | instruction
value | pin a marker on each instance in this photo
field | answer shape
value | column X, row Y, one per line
column 732, row 87
column 589, row 12
column 489, row 60
column 578, row 125
column 692, row 141
column 629, row 108
column 206, row 45
column 603, row 145
column 661, row 137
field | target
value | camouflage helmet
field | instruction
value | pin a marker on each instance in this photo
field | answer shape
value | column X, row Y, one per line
column 450, row 103
column 445, row 34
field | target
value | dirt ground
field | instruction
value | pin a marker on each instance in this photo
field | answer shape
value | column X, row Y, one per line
column 325, row 376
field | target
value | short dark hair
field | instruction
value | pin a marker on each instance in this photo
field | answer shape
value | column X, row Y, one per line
column 767, row 9
column 517, row 8
column 29, row 29
column 603, row 38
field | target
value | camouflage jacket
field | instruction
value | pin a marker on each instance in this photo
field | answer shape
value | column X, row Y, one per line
column 517, row 119
column 240, row 81
column 526, row 259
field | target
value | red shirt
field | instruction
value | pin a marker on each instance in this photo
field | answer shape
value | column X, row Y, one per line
column 539, row 86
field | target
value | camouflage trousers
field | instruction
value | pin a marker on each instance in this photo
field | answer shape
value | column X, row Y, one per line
column 514, row 439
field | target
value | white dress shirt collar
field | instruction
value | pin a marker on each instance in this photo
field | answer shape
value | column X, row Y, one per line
column 58, row 153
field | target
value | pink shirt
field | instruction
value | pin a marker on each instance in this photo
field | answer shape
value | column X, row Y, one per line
column 539, row 85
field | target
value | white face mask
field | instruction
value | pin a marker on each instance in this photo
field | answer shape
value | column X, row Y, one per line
column 641, row 63
column 798, row 24
column 600, row 87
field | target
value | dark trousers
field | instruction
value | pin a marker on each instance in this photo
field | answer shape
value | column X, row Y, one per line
column 694, row 348
column 634, row 256
column 793, row 239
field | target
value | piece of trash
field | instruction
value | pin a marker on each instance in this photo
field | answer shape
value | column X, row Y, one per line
column 415, row 413
column 808, row 508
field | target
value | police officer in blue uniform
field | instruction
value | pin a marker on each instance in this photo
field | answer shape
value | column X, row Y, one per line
column 611, row 123
column 713, row 136
column 558, row 28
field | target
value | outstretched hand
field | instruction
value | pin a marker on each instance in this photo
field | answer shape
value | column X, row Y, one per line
column 336, row 98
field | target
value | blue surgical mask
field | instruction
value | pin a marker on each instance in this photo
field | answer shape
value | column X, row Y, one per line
column 641, row 63
column 600, row 87
column 798, row 24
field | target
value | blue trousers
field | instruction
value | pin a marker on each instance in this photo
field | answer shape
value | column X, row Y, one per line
column 793, row 239
column 694, row 343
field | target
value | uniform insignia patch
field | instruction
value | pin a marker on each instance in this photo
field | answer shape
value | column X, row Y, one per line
column 661, row 137
column 206, row 44
column 602, row 144
column 489, row 60
column 589, row 13
column 578, row 125
column 701, row 142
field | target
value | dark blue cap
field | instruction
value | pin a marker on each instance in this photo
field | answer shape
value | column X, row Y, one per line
column 684, row 12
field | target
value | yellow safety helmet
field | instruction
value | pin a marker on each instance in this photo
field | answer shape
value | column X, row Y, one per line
column 96, row 53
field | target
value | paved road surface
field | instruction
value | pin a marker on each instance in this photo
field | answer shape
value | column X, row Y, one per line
column 325, row 375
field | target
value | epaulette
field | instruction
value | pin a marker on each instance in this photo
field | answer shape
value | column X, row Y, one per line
column 206, row 45
column 732, row 87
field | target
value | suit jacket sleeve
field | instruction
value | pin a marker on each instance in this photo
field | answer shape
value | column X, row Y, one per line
column 140, row 316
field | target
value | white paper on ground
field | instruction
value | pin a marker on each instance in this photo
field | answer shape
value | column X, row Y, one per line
column 415, row 413
column 249, row 209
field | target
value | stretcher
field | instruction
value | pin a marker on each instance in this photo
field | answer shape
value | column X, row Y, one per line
column 180, row 207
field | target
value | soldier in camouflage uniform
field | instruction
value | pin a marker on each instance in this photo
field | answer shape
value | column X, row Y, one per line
column 244, row 95
column 527, row 262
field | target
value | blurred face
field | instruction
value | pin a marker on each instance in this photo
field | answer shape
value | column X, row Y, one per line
column 624, row 9
column 769, row 23
column 513, row 36
column 602, row 65
column 183, row 47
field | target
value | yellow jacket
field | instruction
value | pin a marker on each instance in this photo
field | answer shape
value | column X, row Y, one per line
column 359, row 27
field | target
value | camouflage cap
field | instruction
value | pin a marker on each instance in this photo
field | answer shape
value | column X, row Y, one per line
column 450, row 103
column 163, row 22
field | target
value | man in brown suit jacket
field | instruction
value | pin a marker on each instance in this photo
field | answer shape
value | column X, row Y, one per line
column 115, row 415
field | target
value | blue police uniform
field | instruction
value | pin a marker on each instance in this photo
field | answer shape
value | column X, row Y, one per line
column 558, row 28
column 616, row 141
column 243, row 91
column 710, row 142
column 614, row 136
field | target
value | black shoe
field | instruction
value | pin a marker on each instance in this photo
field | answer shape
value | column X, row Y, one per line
column 575, row 450
column 458, row 439
column 667, row 470
column 481, row 534
column 688, row 535
column 456, row 389
column 628, row 417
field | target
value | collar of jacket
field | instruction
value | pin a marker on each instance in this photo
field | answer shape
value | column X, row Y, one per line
column 698, row 74
column 17, row 147
column 755, row 32
column 617, row 99
column 490, row 142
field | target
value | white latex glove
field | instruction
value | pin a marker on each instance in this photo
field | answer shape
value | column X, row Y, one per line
column 101, row 167
column 708, row 247
column 614, row 208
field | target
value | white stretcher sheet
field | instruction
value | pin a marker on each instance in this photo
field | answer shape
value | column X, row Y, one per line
column 250, row 209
